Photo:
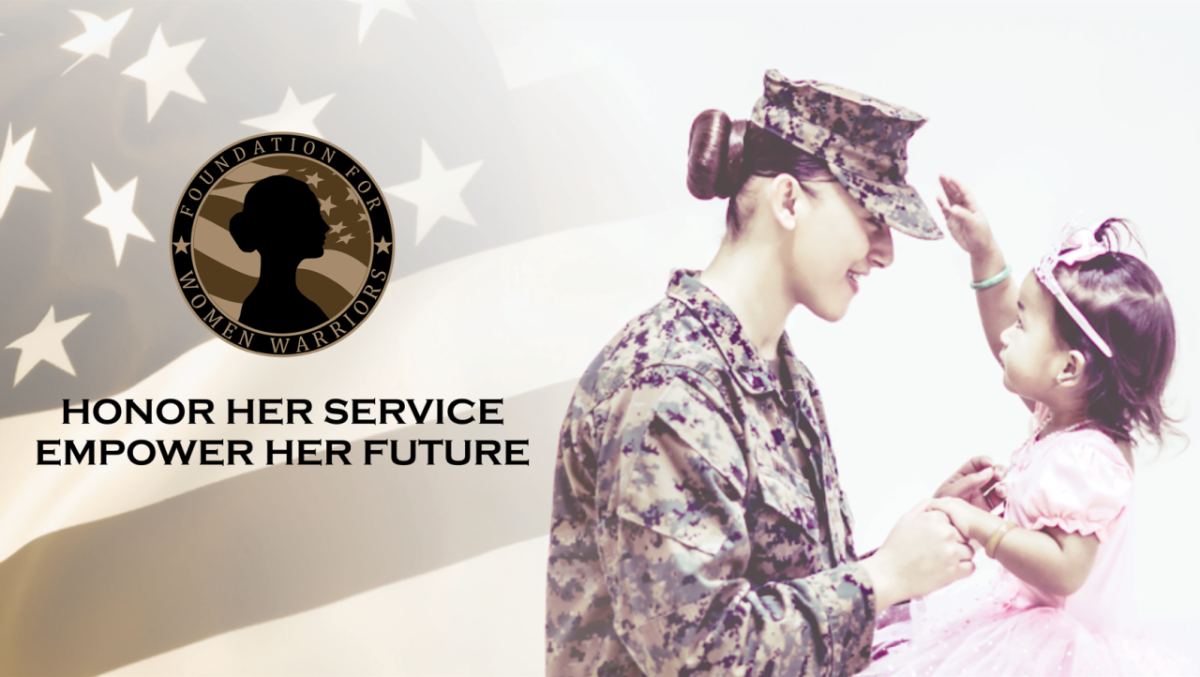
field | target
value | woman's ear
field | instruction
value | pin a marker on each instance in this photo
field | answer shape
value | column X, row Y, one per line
column 1071, row 374
column 788, row 200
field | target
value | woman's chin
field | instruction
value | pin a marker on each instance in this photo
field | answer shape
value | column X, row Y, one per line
column 830, row 303
column 831, row 312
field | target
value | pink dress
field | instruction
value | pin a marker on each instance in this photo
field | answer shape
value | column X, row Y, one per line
column 992, row 623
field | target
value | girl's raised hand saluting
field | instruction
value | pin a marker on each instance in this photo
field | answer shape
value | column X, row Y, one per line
column 964, row 218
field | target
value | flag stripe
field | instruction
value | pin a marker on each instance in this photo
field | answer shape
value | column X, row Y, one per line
column 482, row 616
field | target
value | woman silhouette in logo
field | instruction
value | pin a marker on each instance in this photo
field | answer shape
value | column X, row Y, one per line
column 281, row 219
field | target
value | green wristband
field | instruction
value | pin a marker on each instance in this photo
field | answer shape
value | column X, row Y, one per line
column 993, row 280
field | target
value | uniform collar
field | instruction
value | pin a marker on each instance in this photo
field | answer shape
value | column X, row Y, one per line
column 723, row 326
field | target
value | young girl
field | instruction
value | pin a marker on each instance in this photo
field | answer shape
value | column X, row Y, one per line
column 1087, row 340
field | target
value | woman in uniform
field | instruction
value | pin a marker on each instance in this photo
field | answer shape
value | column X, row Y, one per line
column 699, row 525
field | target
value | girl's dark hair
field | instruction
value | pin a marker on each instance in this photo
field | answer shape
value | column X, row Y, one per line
column 1124, row 301
column 723, row 154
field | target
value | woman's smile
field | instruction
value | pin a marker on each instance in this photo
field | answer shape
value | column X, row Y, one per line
column 854, row 277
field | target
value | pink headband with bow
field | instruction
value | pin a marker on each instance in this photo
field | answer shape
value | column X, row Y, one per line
column 1072, row 248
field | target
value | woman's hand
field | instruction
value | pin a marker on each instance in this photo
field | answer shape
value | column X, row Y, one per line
column 977, row 482
column 965, row 219
column 924, row 552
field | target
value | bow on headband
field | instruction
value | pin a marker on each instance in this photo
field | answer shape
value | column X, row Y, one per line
column 1076, row 246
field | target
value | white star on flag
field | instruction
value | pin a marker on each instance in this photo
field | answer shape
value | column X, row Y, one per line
column 292, row 116
column 115, row 212
column 164, row 70
column 44, row 344
column 369, row 9
column 97, row 36
column 437, row 193
column 14, row 173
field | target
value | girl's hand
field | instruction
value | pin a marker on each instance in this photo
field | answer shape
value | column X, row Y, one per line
column 977, row 482
column 964, row 218
column 963, row 515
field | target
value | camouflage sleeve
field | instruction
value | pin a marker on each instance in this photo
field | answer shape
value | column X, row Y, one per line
column 676, row 549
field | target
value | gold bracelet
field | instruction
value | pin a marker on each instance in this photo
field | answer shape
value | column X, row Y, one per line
column 994, row 540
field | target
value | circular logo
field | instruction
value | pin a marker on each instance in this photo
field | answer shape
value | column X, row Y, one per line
column 282, row 244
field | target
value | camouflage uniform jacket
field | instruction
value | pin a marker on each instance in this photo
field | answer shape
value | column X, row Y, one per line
column 698, row 523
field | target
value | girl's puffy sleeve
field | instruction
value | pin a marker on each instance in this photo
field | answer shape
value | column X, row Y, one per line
column 1081, row 486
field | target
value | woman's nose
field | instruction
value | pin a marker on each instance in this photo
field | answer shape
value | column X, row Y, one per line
column 882, row 250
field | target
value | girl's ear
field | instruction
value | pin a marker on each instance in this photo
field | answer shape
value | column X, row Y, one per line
column 1071, row 374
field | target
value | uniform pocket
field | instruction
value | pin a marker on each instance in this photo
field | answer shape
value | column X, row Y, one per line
column 690, row 417
column 789, row 494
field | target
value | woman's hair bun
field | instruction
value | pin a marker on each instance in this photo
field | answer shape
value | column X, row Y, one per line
column 715, row 155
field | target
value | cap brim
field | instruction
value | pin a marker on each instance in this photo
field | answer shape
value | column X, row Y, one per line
column 897, row 205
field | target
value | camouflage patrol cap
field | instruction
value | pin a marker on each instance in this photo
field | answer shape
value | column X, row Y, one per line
column 861, row 138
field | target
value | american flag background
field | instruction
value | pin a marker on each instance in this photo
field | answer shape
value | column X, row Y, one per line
column 533, row 155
